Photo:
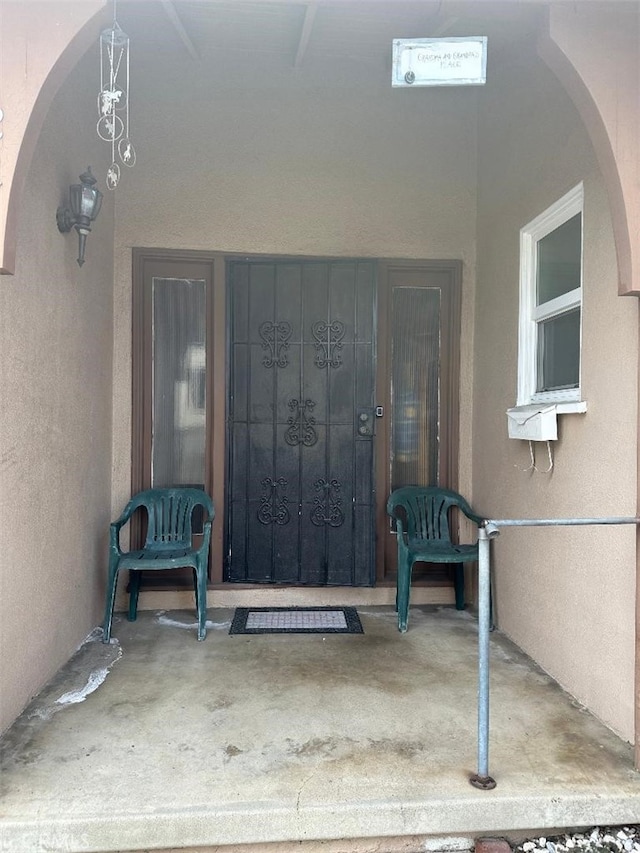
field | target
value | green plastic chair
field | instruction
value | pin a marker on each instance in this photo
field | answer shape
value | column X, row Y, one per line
column 168, row 546
column 421, row 514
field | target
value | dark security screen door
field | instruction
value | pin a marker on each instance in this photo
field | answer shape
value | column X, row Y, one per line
column 301, row 502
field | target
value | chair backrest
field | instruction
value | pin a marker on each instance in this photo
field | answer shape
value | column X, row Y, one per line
column 169, row 514
column 426, row 510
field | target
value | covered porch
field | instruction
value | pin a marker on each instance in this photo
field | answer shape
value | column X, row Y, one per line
column 283, row 138
column 254, row 739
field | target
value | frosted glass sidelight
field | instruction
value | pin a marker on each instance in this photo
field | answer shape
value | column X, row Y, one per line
column 415, row 386
column 179, row 382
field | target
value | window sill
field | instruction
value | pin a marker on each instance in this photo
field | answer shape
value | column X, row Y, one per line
column 575, row 408
column 567, row 407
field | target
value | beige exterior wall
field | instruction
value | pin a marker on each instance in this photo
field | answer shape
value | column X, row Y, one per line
column 55, row 419
column 566, row 596
column 275, row 164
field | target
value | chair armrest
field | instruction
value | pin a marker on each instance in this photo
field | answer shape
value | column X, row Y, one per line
column 401, row 536
column 208, row 515
column 118, row 524
column 399, row 525
column 114, row 537
column 127, row 512
column 206, row 535
column 471, row 515
column 206, row 530
column 477, row 519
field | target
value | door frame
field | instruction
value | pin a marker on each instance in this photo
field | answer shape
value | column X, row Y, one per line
column 449, row 384
column 143, row 262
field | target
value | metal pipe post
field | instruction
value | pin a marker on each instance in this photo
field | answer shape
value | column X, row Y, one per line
column 488, row 529
column 482, row 779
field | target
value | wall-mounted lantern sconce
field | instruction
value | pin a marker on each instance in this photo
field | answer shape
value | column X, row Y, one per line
column 85, row 201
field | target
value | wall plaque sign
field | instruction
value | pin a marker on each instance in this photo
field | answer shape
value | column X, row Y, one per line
column 460, row 61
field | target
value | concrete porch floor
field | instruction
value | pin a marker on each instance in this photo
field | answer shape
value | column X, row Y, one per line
column 276, row 738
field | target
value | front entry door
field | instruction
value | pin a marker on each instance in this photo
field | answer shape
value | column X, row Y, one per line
column 301, row 423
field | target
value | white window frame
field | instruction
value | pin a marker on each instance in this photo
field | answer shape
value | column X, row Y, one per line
column 531, row 315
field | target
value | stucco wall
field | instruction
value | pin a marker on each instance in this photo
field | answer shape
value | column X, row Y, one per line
column 55, row 419
column 316, row 163
column 566, row 596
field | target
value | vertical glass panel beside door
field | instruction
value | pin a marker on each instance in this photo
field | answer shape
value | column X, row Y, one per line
column 415, row 386
column 419, row 384
column 179, row 384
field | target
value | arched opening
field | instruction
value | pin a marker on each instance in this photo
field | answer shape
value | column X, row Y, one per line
column 36, row 63
column 289, row 142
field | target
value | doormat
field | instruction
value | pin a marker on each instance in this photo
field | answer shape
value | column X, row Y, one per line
column 296, row 620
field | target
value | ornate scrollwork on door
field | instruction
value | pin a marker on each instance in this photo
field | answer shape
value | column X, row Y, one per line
column 275, row 342
column 301, row 429
column 273, row 507
column 328, row 505
column 328, row 338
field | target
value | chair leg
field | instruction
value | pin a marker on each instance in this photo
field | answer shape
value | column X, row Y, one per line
column 403, row 592
column 134, row 591
column 458, row 585
column 110, row 600
column 195, row 589
column 201, row 600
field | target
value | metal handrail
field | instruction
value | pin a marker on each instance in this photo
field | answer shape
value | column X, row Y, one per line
column 488, row 530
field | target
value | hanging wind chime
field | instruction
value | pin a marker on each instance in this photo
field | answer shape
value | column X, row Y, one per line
column 113, row 100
